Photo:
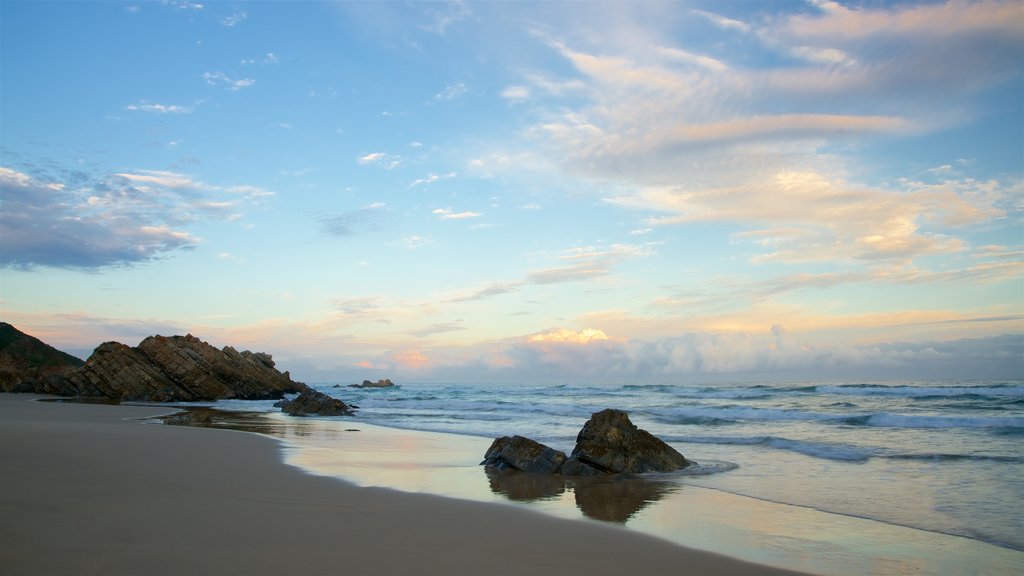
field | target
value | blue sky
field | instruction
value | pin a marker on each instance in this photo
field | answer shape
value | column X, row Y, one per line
column 508, row 192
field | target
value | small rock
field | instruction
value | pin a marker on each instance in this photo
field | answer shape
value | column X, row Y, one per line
column 314, row 403
column 523, row 454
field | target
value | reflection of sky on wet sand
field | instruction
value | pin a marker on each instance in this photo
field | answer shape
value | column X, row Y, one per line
column 661, row 505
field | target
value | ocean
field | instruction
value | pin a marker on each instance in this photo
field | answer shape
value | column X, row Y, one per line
column 943, row 458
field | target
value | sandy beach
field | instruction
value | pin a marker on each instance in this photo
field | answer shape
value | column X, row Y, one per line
column 90, row 489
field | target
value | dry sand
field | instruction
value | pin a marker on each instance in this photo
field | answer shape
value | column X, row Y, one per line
column 88, row 489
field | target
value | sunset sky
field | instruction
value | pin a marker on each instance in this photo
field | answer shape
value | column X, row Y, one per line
column 522, row 192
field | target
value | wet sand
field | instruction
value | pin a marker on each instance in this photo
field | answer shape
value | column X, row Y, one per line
column 90, row 489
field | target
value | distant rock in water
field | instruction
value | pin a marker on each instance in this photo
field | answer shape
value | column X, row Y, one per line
column 608, row 444
column 29, row 365
column 314, row 403
column 386, row 383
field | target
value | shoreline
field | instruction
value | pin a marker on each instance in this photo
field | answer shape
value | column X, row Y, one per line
column 89, row 489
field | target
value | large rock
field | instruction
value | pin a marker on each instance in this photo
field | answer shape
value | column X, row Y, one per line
column 609, row 442
column 29, row 365
column 523, row 454
column 180, row 368
column 314, row 403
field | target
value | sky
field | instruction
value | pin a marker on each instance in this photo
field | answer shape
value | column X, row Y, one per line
column 522, row 192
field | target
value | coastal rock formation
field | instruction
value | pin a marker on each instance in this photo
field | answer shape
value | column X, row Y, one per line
column 608, row 444
column 519, row 453
column 314, row 403
column 29, row 365
column 385, row 383
column 179, row 368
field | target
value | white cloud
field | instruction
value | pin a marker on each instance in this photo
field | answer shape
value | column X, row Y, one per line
column 382, row 159
column 431, row 178
column 234, row 19
column 221, row 79
column 444, row 15
column 516, row 93
column 447, row 214
column 451, row 92
column 722, row 22
column 159, row 108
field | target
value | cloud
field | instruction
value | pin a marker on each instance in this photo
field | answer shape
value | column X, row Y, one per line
column 516, row 93
column 586, row 263
column 431, row 178
column 234, row 18
column 590, row 355
column 447, row 214
column 159, row 108
column 221, row 79
column 444, row 15
column 439, row 328
column 451, row 92
column 387, row 161
column 722, row 22
column 577, row 264
column 805, row 216
column 112, row 220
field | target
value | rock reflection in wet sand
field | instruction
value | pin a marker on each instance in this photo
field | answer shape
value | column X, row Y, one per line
column 611, row 499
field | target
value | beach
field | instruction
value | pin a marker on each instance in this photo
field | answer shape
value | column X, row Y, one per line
column 93, row 489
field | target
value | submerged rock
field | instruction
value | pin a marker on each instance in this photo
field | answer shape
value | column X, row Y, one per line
column 314, row 403
column 611, row 443
column 523, row 454
column 608, row 444
column 385, row 383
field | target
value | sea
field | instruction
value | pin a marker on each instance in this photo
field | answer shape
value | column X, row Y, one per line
column 943, row 460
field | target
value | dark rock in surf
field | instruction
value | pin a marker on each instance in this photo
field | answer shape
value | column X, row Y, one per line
column 523, row 454
column 609, row 442
column 314, row 403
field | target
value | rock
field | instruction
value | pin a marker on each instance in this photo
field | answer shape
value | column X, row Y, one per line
column 523, row 454
column 609, row 442
column 386, row 383
column 180, row 368
column 314, row 403
column 29, row 365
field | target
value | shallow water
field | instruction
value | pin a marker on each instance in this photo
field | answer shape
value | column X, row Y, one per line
column 856, row 461
column 669, row 506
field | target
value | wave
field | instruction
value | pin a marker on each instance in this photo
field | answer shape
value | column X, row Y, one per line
column 940, row 457
column 890, row 420
column 984, row 392
column 823, row 450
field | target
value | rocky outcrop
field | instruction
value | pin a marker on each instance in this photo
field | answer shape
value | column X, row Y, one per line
column 385, row 383
column 179, row 368
column 608, row 444
column 519, row 453
column 314, row 403
column 29, row 365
